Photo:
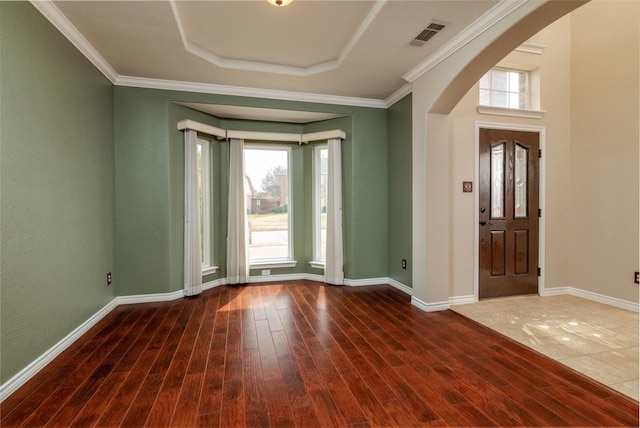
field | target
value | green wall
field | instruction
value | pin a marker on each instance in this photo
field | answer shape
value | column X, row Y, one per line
column 91, row 181
column 56, row 187
column 399, row 146
column 149, row 179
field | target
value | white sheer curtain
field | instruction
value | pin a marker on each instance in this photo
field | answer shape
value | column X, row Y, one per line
column 192, row 258
column 238, row 233
column 333, row 267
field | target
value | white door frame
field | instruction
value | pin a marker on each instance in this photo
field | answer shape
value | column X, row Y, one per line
column 476, row 201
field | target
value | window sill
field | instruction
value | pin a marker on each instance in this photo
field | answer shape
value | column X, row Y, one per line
column 317, row 264
column 209, row 270
column 273, row 264
column 513, row 112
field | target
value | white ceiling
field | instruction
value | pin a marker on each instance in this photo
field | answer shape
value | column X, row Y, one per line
column 347, row 49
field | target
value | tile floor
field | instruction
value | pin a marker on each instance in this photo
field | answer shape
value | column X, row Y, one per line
column 598, row 340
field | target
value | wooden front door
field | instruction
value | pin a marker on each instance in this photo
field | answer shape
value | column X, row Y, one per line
column 508, row 195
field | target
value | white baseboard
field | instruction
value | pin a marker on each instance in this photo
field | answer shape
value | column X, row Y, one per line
column 429, row 307
column 277, row 278
column 213, row 284
column 149, row 298
column 555, row 291
column 10, row 386
column 442, row 306
column 365, row 282
column 462, row 300
column 596, row 297
column 314, row 277
column 400, row 286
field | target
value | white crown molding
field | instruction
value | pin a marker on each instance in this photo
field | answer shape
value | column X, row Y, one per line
column 242, row 91
column 398, row 95
column 479, row 26
column 532, row 48
column 49, row 10
column 263, row 67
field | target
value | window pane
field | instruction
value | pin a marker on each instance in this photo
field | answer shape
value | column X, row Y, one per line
column 321, row 186
column 497, row 181
column 201, row 206
column 504, row 88
column 485, row 97
column 485, row 81
column 520, row 178
column 499, row 99
column 204, row 201
column 514, row 82
column 267, row 193
column 522, row 101
column 499, row 80
column 514, row 100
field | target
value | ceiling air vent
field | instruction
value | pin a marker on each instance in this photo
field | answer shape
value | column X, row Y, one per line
column 433, row 29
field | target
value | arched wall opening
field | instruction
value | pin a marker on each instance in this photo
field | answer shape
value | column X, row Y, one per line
column 435, row 94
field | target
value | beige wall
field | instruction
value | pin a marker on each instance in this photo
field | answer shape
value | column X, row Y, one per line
column 553, row 69
column 435, row 91
column 572, row 152
column 603, row 231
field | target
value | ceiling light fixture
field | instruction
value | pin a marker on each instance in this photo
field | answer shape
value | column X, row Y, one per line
column 280, row 3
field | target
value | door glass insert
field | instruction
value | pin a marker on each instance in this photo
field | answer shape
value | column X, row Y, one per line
column 497, row 181
column 520, row 177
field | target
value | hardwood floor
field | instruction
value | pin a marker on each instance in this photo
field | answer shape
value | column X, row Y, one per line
column 305, row 354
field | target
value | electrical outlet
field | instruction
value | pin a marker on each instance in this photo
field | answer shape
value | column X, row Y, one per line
column 109, row 278
column 266, row 272
column 636, row 278
column 404, row 263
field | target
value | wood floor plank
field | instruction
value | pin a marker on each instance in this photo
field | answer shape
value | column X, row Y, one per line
column 97, row 404
column 280, row 414
column 142, row 404
column 305, row 354
column 208, row 420
column 233, row 404
column 256, row 412
column 325, row 407
column 167, row 399
column 78, row 399
column 186, row 413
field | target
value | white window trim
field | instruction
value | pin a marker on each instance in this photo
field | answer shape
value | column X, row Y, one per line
column 527, row 94
column 209, row 270
column 206, row 219
column 273, row 264
column 289, row 260
column 512, row 112
column 317, row 264
column 318, row 261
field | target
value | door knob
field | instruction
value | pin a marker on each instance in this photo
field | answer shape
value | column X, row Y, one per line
column 483, row 223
